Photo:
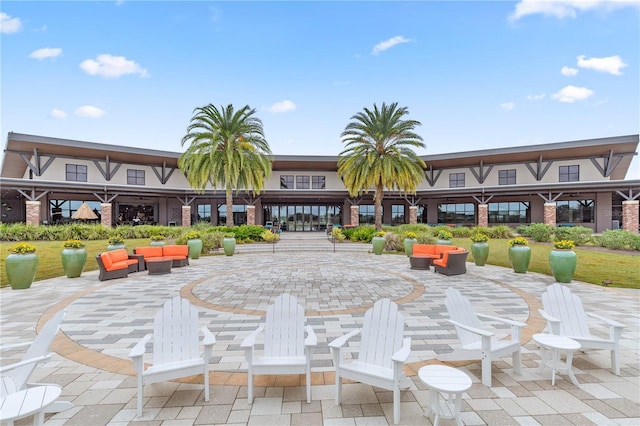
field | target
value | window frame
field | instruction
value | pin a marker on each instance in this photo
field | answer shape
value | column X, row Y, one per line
column 75, row 173
column 135, row 176
column 457, row 180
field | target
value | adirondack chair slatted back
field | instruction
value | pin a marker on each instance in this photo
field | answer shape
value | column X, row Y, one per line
column 39, row 347
column 558, row 301
column 382, row 333
column 284, row 328
column 175, row 332
column 460, row 310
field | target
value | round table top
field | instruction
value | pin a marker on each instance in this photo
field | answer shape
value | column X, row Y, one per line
column 554, row 341
column 444, row 379
column 28, row 401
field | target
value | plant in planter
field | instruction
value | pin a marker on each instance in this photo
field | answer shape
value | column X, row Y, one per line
column 563, row 260
column 74, row 257
column 195, row 244
column 229, row 243
column 410, row 238
column 519, row 254
column 444, row 237
column 479, row 248
column 157, row 240
column 378, row 242
column 21, row 265
column 115, row 242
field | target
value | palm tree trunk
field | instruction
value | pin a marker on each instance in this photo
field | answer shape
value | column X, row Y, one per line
column 378, row 207
column 229, row 196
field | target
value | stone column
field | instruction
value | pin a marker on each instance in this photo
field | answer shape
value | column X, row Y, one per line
column 251, row 215
column 630, row 215
column 483, row 214
column 550, row 214
column 186, row 215
column 106, row 213
column 355, row 215
column 413, row 215
column 33, row 212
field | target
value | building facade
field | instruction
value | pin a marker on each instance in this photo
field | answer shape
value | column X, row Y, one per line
column 44, row 180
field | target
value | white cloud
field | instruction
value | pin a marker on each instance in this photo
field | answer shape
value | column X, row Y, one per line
column 90, row 111
column 539, row 97
column 283, row 106
column 9, row 25
column 507, row 105
column 388, row 44
column 610, row 64
column 47, row 52
column 572, row 94
column 565, row 8
column 569, row 71
column 57, row 114
column 110, row 66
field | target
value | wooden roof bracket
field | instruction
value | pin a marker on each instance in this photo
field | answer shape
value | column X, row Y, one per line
column 539, row 171
column 550, row 198
column 108, row 172
column 481, row 175
column 430, row 177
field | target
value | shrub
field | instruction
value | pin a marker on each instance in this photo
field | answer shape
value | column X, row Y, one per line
column 445, row 235
column 498, row 232
column 116, row 239
column 337, row 234
column 540, row 232
column 616, row 239
column 393, row 242
column 269, row 236
column 580, row 235
column 362, row 233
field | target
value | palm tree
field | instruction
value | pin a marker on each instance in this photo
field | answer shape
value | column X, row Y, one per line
column 379, row 154
column 227, row 149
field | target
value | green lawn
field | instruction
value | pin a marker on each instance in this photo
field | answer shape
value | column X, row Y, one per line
column 621, row 267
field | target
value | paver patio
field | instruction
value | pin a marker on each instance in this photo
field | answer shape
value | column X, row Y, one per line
column 105, row 319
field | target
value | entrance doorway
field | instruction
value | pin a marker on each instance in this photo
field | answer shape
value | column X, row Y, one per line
column 302, row 217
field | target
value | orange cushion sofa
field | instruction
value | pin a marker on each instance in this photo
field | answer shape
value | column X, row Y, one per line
column 116, row 264
column 453, row 262
column 179, row 254
column 431, row 250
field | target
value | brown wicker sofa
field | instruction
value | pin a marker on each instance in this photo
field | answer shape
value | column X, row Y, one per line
column 179, row 254
column 453, row 262
column 116, row 264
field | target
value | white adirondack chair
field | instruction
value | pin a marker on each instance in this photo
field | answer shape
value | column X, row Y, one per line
column 176, row 351
column 14, row 377
column 383, row 352
column 565, row 316
column 286, row 350
column 476, row 342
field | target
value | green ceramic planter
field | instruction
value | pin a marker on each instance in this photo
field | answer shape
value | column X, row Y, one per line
column 21, row 269
column 229, row 246
column 563, row 264
column 408, row 245
column 115, row 247
column 444, row 242
column 520, row 256
column 378, row 245
column 195, row 248
column 73, row 261
column 157, row 243
column 480, row 253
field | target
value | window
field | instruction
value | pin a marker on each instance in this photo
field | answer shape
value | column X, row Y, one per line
column 575, row 211
column 239, row 214
column 286, row 182
column 509, row 212
column 135, row 177
column 569, row 173
column 76, row 173
column 397, row 214
column 204, row 212
column 456, row 180
column 303, row 182
column 62, row 210
column 507, row 177
column 317, row 182
column 463, row 213
column 367, row 215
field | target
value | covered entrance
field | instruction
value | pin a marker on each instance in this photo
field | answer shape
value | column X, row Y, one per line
column 302, row 217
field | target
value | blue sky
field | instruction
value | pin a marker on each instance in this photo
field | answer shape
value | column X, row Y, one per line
column 476, row 74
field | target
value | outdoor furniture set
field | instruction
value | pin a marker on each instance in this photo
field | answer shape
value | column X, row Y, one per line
column 119, row 263
column 446, row 259
column 288, row 343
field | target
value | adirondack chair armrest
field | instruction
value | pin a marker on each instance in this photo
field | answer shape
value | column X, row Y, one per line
column 14, row 346
column 339, row 342
column 554, row 323
column 250, row 340
column 610, row 322
column 404, row 352
column 503, row 320
column 473, row 330
column 15, row 365
column 209, row 338
column 311, row 339
column 140, row 348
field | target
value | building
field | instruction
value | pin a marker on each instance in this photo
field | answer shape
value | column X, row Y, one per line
column 44, row 180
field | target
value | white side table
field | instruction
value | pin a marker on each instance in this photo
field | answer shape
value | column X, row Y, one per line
column 442, row 380
column 28, row 401
column 556, row 344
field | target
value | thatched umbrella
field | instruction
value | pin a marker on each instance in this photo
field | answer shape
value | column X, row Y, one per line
column 84, row 212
